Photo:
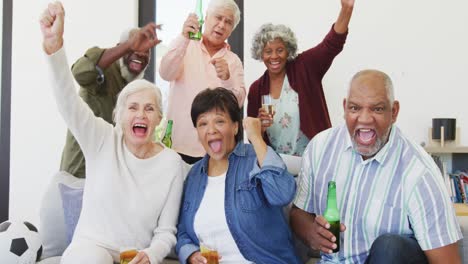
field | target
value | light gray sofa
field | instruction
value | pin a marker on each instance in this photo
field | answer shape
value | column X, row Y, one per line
column 53, row 234
column 52, row 227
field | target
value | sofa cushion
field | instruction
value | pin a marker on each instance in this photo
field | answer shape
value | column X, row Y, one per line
column 51, row 218
column 72, row 200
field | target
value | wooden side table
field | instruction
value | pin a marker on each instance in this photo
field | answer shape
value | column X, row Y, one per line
column 461, row 209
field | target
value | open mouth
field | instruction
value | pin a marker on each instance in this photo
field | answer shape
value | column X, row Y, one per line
column 275, row 65
column 140, row 129
column 136, row 65
column 215, row 145
column 365, row 136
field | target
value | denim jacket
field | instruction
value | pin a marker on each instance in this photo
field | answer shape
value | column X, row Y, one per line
column 254, row 200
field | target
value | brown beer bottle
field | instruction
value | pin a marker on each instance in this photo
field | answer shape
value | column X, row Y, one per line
column 332, row 214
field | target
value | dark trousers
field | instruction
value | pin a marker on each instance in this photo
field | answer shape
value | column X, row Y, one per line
column 392, row 248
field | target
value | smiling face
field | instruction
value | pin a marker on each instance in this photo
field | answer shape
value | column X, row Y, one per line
column 219, row 24
column 136, row 61
column 140, row 117
column 369, row 114
column 217, row 132
column 275, row 56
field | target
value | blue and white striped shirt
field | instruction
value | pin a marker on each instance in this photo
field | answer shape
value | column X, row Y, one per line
column 400, row 190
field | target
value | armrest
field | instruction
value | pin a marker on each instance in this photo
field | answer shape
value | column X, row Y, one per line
column 293, row 163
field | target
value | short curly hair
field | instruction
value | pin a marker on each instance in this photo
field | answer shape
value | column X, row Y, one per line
column 269, row 32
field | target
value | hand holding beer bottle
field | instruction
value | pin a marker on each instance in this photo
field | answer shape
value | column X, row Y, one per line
column 322, row 236
column 199, row 11
column 191, row 25
column 332, row 215
column 192, row 28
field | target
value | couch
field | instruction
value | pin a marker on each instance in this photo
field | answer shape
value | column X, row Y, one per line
column 60, row 207
column 52, row 227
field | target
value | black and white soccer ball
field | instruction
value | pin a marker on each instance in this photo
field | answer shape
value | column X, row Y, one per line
column 19, row 243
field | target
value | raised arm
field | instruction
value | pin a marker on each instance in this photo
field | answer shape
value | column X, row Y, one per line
column 319, row 58
column 342, row 22
column 253, row 128
column 277, row 183
column 90, row 70
column 141, row 41
column 172, row 64
column 52, row 26
column 77, row 115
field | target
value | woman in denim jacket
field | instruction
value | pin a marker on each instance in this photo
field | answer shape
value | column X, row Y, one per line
column 234, row 196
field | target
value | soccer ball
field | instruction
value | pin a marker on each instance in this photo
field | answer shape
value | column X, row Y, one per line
column 19, row 243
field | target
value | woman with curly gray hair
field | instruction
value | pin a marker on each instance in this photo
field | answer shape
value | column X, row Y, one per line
column 294, row 83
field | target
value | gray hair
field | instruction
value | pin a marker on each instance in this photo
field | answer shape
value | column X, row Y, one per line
column 269, row 32
column 214, row 5
column 131, row 88
column 386, row 79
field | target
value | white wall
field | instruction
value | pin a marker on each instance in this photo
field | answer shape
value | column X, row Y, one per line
column 422, row 45
column 37, row 130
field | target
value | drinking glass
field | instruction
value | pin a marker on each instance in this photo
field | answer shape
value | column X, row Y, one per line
column 210, row 254
column 127, row 254
column 267, row 104
column 208, row 249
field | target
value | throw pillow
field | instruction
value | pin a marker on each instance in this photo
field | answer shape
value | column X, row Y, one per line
column 72, row 200
column 51, row 220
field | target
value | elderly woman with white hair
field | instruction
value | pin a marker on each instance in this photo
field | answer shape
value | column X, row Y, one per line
column 294, row 83
column 192, row 66
column 133, row 186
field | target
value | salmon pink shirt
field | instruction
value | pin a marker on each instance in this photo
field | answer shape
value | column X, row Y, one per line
column 187, row 66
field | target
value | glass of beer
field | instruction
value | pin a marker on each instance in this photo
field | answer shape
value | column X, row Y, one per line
column 127, row 254
column 268, row 106
column 211, row 255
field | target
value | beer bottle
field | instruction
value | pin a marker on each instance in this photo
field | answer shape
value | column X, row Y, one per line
column 167, row 139
column 332, row 214
column 199, row 12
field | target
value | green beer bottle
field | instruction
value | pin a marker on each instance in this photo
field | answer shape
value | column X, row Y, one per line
column 199, row 12
column 167, row 139
column 332, row 214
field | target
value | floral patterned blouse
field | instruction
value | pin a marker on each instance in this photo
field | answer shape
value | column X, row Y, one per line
column 285, row 134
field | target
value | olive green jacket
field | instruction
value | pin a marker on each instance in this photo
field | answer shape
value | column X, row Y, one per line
column 99, row 89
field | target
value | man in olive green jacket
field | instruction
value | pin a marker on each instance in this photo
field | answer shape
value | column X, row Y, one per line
column 101, row 74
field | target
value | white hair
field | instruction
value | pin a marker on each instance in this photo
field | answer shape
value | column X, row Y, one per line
column 214, row 5
column 388, row 84
column 131, row 88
